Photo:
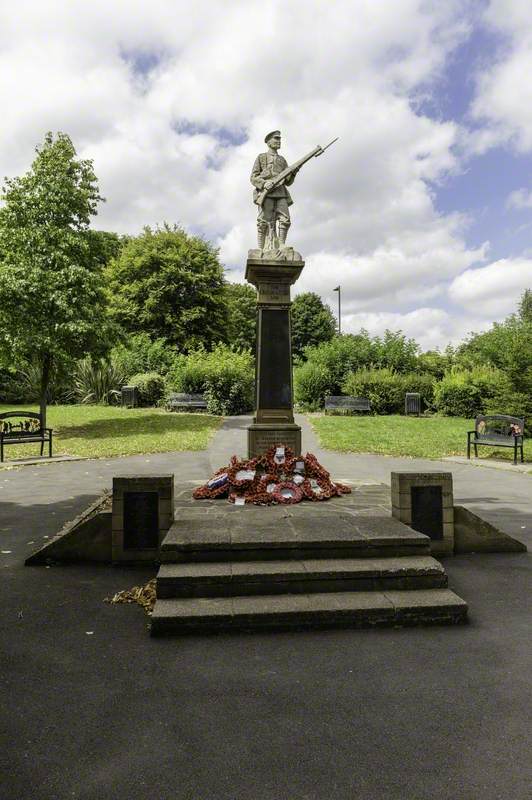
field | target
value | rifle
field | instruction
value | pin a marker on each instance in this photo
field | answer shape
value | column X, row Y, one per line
column 318, row 150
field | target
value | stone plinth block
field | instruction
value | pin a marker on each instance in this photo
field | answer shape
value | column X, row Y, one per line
column 424, row 501
column 272, row 276
column 261, row 436
column 143, row 511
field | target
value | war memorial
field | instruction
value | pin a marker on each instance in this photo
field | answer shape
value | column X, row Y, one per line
column 272, row 542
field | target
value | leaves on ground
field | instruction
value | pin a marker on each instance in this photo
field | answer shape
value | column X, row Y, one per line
column 144, row 596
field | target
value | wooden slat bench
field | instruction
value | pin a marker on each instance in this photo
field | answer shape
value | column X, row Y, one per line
column 28, row 429
column 346, row 403
column 497, row 430
column 178, row 400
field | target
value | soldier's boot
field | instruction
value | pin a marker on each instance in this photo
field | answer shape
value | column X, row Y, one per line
column 261, row 237
column 283, row 230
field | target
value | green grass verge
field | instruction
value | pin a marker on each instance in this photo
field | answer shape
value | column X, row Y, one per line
column 102, row 431
column 394, row 435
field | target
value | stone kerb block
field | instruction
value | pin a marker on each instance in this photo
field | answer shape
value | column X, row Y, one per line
column 424, row 501
column 143, row 511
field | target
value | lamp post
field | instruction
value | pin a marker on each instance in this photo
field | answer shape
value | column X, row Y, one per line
column 338, row 289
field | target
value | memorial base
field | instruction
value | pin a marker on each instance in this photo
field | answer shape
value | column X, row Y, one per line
column 262, row 435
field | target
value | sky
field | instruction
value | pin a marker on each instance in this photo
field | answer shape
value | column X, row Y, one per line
column 421, row 212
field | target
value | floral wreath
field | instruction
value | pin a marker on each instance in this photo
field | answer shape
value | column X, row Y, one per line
column 295, row 496
column 304, row 476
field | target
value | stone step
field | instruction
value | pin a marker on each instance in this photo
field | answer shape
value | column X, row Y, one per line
column 305, row 611
column 292, row 576
column 238, row 537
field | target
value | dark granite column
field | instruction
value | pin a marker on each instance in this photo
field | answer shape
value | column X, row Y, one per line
column 274, row 419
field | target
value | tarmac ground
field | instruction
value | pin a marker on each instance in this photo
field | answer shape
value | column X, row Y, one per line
column 93, row 708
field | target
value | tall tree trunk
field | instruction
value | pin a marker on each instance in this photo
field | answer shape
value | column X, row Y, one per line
column 45, row 381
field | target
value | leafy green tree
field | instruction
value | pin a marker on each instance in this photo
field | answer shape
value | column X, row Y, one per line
column 52, row 300
column 395, row 351
column 241, row 300
column 338, row 357
column 312, row 322
column 525, row 306
column 433, row 363
column 107, row 245
column 169, row 285
column 506, row 345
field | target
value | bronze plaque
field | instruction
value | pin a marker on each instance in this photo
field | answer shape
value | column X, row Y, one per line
column 427, row 510
column 141, row 520
column 275, row 368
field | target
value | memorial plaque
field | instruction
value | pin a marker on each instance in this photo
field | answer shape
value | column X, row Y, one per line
column 275, row 368
column 141, row 520
column 427, row 510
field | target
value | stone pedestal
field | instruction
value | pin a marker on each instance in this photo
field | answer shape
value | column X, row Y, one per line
column 272, row 273
column 143, row 511
column 424, row 501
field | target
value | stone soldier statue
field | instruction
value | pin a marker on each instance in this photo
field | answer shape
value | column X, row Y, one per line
column 273, row 219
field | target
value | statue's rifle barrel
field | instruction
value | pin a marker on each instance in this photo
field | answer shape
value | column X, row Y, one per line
column 323, row 149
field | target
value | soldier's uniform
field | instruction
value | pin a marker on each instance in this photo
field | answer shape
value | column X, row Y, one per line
column 275, row 205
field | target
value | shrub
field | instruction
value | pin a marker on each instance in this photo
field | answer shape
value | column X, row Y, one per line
column 142, row 354
column 23, row 385
column 466, row 393
column 312, row 383
column 382, row 387
column 97, row 381
column 340, row 356
column 225, row 376
column 515, row 404
column 151, row 387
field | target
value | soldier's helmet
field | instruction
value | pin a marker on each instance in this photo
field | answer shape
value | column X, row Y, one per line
column 270, row 134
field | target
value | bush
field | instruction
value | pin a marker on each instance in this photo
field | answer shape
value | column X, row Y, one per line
column 97, row 381
column 23, row 385
column 142, row 354
column 151, row 387
column 467, row 393
column 225, row 376
column 312, row 383
column 515, row 404
column 386, row 389
column 340, row 356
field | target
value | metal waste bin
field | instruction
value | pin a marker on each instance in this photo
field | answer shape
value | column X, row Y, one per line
column 413, row 403
column 130, row 396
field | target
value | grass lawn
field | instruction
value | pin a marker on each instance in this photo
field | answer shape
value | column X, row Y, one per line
column 394, row 435
column 102, row 431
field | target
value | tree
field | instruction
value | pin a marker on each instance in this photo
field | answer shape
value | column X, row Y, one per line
column 169, row 285
column 52, row 300
column 312, row 322
column 525, row 306
column 506, row 345
column 241, row 300
column 395, row 351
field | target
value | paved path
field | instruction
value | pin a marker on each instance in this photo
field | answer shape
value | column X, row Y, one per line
column 92, row 708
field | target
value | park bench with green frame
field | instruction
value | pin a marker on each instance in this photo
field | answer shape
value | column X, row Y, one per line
column 497, row 430
column 27, row 429
column 345, row 403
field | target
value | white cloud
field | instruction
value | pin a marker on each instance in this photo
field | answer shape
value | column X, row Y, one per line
column 504, row 92
column 227, row 73
column 495, row 289
column 520, row 198
column 432, row 328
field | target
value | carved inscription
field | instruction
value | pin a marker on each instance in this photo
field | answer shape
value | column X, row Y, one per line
column 274, row 293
